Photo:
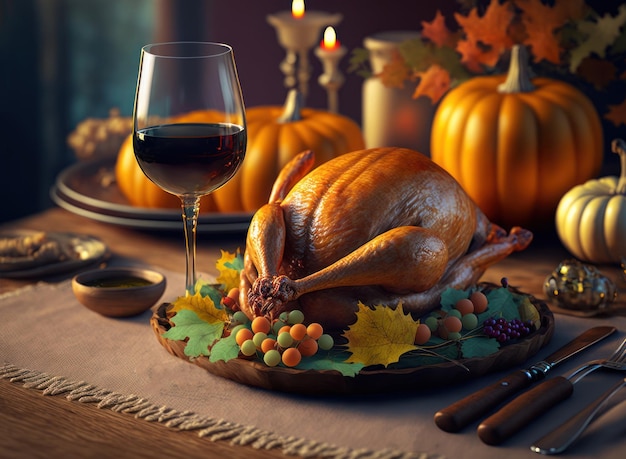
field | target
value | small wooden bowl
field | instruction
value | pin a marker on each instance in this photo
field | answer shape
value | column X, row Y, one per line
column 118, row 292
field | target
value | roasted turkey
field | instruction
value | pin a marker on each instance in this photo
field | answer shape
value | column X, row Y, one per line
column 379, row 226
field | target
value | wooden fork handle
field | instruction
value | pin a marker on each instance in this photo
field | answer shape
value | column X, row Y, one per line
column 524, row 409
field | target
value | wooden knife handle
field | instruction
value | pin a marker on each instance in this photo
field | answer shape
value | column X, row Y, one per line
column 467, row 410
column 522, row 410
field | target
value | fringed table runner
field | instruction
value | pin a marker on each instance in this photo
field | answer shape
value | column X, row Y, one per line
column 51, row 343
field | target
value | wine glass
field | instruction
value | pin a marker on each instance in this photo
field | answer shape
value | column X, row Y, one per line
column 189, row 155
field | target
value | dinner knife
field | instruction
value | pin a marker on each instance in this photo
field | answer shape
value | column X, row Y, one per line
column 467, row 410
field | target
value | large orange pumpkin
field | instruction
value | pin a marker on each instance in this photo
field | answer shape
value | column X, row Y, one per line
column 275, row 135
column 516, row 145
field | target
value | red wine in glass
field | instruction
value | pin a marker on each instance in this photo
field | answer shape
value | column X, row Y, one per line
column 193, row 159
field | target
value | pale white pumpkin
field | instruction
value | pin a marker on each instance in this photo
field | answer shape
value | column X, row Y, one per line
column 591, row 217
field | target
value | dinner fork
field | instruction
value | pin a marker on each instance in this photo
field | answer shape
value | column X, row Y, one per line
column 525, row 408
column 567, row 433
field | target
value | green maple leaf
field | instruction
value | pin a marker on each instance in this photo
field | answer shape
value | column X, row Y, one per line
column 450, row 296
column 211, row 291
column 200, row 334
column 359, row 63
column 479, row 347
column 320, row 362
column 225, row 349
column 420, row 55
column 502, row 303
column 600, row 35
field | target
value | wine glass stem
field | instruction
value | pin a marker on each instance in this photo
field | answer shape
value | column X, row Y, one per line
column 191, row 209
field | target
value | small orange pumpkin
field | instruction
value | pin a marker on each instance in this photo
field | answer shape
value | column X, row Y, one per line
column 275, row 135
column 516, row 145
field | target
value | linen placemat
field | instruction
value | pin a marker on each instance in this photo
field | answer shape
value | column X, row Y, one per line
column 49, row 341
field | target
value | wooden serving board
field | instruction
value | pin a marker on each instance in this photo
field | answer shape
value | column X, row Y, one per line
column 330, row 382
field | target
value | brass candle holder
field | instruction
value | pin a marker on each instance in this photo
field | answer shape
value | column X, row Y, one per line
column 297, row 35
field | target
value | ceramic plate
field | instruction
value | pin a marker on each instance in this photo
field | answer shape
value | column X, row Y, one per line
column 85, row 249
column 88, row 188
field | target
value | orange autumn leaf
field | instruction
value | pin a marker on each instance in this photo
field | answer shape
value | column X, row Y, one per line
column 434, row 83
column 542, row 23
column 395, row 72
column 437, row 31
column 491, row 29
column 473, row 56
column 617, row 114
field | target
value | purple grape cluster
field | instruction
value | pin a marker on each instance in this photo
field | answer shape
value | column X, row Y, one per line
column 503, row 331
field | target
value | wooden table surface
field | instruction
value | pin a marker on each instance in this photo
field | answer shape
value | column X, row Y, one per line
column 34, row 426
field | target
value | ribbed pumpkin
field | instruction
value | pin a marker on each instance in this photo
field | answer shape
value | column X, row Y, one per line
column 517, row 145
column 591, row 217
column 275, row 135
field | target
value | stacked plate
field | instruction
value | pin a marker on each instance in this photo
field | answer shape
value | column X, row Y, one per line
column 88, row 188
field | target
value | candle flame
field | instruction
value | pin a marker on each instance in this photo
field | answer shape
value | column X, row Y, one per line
column 330, row 38
column 297, row 8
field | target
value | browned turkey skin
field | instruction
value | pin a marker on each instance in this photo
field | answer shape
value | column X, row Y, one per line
column 379, row 226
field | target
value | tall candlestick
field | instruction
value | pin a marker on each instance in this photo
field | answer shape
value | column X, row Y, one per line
column 330, row 53
column 298, row 32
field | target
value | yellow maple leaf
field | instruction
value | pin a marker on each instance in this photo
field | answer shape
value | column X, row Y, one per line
column 434, row 83
column 380, row 335
column 226, row 265
column 203, row 306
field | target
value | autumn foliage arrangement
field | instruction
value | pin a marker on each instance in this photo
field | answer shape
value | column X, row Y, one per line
column 564, row 38
column 212, row 327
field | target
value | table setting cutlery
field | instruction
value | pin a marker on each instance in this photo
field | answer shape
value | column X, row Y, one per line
column 567, row 433
column 528, row 406
column 469, row 409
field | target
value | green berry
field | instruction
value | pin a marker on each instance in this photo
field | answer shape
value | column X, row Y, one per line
column 248, row 347
column 272, row 358
column 325, row 342
column 258, row 338
column 295, row 317
column 470, row 321
column 240, row 318
column 284, row 340
column 432, row 323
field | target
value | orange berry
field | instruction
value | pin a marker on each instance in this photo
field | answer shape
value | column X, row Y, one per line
column 422, row 334
column 308, row 347
column 452, row 324
column 464, row 306
column 260, row 325
column 243, row 335
column 314, row 330
column 268, row 344
column 480, row 302
column 284, row 329
column 291, row 357
column 298, row 332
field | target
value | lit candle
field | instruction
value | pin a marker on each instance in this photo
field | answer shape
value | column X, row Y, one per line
column 297, row 8
column 330, row 41
column 298, row 32
column 330, row 53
